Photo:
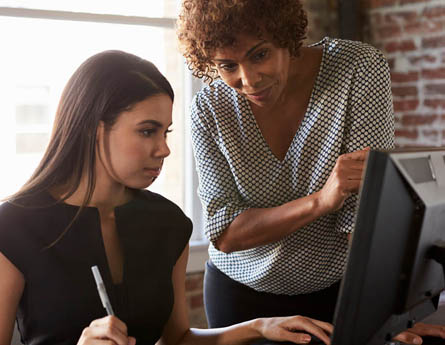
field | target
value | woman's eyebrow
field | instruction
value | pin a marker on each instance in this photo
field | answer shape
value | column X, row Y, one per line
column 250, row 51
column 153, row 122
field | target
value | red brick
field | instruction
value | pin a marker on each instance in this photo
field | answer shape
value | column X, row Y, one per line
column 407, row 133
column 433, row 73
column 402, row 46
column 196, row 301
column 431, row 134
column 389, row 31
column 400, row 17
column 405, row 91
column 434, row 103
column 435, row 89
column 442, row 118
column 406, row 105
column 425, row 27
column 433, row 42
column 418, row 120
column 402, row 2
column 375, row 19
column 193, row 282
column 381, row 3
column 406, row 77
column 434, row 12
column 422, row 58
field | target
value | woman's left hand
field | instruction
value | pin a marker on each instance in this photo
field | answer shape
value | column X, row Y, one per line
column 297, row 329
column 414, row 335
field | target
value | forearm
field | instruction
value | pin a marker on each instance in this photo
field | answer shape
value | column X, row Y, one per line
column 242, row 333
column 259, row 226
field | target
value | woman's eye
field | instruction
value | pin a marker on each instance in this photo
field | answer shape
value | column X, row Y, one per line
column 260, row 55
column 166, row 132
column 147, row 132
column 228, row 67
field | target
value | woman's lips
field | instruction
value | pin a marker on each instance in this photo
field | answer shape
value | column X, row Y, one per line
column 153, row 171
column 259, row 96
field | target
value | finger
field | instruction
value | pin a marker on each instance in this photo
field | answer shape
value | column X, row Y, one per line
column 299, row 338
column 351, row 186
column 409, row 338
column 111, row 321
column 131, row 341
column 111, row 328
column 312, row 328
column 349, row 164
column 326, row 326
column 102, row 332
column 427, row 329
column 357, row 155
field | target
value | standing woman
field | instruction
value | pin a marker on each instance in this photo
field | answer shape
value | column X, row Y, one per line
column 85, row 205
column 280, row 137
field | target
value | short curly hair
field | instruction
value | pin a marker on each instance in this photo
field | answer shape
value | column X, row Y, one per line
column 206, row 25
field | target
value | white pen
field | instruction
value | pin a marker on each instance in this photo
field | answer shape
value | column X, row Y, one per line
column 102, row 292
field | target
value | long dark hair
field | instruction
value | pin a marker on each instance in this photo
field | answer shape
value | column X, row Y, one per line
column 102, row 88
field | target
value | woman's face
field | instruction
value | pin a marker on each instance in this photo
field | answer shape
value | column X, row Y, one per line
column 255, row 68
column 132, row 152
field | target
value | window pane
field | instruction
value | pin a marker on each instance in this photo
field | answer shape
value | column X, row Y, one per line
column 144, row 8
column 36, row 62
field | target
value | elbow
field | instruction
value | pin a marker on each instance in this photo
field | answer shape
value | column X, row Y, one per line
column 223, row 245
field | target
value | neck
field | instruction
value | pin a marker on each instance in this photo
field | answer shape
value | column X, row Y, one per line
column 302, row 72
column 107, row 194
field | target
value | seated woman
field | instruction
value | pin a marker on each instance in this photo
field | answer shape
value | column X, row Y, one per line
column 85, row 205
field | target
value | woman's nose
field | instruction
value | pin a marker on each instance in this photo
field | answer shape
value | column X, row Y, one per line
column 250, row 77
column 162, row 149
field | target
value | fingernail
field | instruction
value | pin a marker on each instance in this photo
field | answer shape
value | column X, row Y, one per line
column 417, row 341
column 306, row 338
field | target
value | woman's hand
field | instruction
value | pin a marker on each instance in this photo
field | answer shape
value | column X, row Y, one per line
column 102, row 331
column 344, row 180
column 413, row 335
column 294, row 328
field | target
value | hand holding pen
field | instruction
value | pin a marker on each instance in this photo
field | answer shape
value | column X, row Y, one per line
column 101, row 331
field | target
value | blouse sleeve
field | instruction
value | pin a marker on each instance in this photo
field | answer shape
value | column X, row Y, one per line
column 370, row 120
column 217, row 189
column 13, row 245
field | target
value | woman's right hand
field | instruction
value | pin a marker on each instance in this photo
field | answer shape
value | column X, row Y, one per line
column 102, row 331
column 297, row 329
column 344, row 180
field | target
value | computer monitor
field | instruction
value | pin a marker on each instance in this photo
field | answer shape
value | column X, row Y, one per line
column 394, row 276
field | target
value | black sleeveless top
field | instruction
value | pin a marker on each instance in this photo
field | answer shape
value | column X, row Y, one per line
column 60, row 297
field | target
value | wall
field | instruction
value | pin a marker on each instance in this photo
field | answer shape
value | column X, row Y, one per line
column 411, row 33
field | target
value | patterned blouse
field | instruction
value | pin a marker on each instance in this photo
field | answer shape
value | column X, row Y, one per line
column 350, row 108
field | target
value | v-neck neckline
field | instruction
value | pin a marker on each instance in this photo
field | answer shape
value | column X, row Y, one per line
column 305, row 118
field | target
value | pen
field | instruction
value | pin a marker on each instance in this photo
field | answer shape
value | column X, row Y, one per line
column 101, row 289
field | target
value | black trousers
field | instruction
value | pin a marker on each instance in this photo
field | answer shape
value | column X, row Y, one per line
column 228, row 302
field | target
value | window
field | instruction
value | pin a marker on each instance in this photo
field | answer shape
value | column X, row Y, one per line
column 41, row 48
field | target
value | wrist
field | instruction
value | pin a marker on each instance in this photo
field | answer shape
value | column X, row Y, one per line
column 321, row 208
column 256, row 327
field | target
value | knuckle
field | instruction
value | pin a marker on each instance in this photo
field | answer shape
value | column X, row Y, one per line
column 85, row 332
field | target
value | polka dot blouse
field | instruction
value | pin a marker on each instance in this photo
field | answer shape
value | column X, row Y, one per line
column 350, row 108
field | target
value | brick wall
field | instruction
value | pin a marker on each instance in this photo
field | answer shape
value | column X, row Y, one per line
column 411, row 33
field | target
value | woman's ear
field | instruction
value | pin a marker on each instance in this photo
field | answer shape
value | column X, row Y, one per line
column 100, row 131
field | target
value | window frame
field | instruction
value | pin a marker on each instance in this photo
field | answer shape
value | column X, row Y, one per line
column 192, row 206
